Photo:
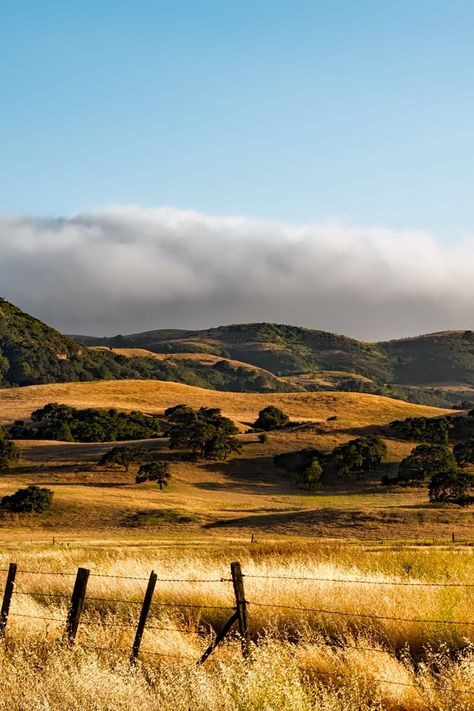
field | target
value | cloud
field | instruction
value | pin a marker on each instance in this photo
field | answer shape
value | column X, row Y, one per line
column 127, row 269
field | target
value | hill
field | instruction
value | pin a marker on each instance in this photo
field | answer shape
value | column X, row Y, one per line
column 33, row 353
column 436, row 369
column 351, row 409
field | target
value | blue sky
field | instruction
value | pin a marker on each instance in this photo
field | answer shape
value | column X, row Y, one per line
column 360, row 110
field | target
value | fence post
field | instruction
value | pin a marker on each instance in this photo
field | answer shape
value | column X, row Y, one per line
column 77, row 603
column 7, row 596
column 241, row 605
column 143, row 616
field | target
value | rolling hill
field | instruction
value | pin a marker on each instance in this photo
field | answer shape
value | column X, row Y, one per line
column 436, row 369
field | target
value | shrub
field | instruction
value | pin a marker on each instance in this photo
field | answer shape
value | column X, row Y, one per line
column 271, row 418
column 32, row 499
column 263, row 437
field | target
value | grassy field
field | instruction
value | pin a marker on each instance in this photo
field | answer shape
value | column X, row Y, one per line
column 244, row 496
column 365, row 658
column 339, row 620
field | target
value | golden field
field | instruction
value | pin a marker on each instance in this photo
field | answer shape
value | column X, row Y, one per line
column 313, row 661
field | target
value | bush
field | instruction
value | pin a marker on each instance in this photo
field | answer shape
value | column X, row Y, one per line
column 33, row 499
column 271, row 418
column 263, row 437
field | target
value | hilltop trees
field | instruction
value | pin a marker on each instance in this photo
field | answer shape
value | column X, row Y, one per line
column 422, row 429
column 205, row 432
column 158, row 471
column 271, row 418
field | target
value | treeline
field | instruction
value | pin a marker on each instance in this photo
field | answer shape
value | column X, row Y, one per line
column 68, row 424
column 439, row 430
column 354, row 459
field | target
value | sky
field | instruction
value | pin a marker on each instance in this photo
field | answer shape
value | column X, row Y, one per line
column 230, row 143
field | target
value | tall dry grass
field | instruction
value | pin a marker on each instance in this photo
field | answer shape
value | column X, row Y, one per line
column 300, row 660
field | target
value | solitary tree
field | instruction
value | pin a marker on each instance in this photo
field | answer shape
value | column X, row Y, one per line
column 154, row 471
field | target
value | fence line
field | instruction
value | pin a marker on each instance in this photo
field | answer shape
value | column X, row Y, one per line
column 79, row 599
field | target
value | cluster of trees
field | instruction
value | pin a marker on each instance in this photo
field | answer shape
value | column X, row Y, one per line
column 9, row 452
column 32, row 499
column 421, row 429
column 150, row 468
column 67, row 424
column 436, row 466
column 358, row 456
column 206, row 433
column 355, row 458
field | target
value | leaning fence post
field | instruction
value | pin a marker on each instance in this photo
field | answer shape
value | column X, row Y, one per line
column 77, row 603
column 241, row 605
column 7, row 597
column 143, row 616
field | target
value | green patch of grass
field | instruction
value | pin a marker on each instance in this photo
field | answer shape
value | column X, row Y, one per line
column 161, row 517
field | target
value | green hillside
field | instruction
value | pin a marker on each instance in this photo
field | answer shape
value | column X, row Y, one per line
column 32, row 353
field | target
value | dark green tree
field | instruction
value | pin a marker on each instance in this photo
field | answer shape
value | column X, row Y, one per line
column 358, row 456
column 452, row 487
column 206, row 433
column 271, row 418
column 424, row 462
column 32, row 499
column 310, row 476
column 154, row 471
column 464, row 452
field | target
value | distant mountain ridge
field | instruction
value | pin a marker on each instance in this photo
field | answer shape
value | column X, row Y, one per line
column 436, row 368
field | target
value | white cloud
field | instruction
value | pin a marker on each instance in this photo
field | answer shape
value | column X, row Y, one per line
column 126, row 269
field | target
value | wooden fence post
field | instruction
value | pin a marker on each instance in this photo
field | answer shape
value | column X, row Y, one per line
column 7, row 596
column 143, row 616
column 77, row 603
column 241, row 605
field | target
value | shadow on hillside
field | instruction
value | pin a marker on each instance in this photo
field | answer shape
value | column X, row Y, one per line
column 318, row 519
column 256, row 475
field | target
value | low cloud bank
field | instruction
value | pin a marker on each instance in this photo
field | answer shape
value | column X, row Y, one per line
column 127, row 269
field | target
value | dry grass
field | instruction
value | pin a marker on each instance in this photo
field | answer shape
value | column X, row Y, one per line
column 352, row 409
column 299, row 662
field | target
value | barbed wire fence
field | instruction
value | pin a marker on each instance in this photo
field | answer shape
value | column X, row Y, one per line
column 78, row 598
